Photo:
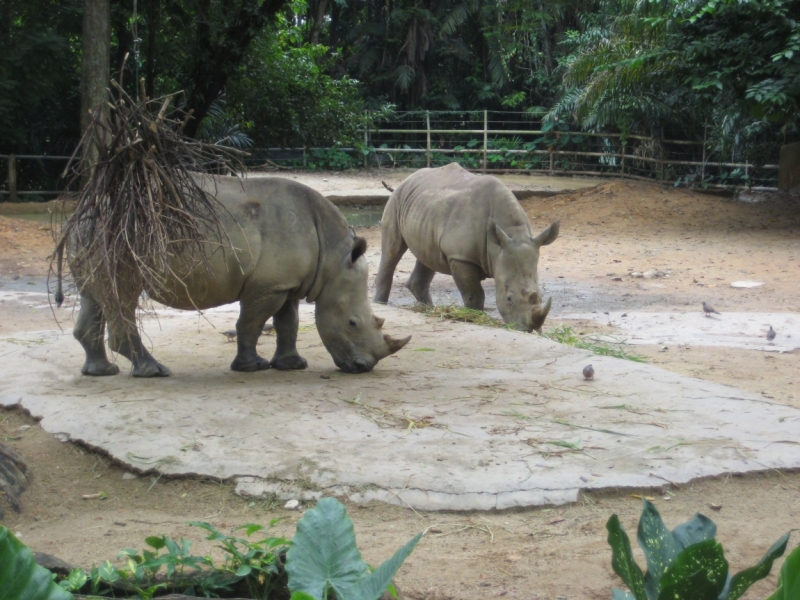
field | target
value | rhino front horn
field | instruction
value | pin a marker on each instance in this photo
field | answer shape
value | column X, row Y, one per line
column 395, row 345
column 540, row 314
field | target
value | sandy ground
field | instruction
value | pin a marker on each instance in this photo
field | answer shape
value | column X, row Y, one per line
column 703, row 242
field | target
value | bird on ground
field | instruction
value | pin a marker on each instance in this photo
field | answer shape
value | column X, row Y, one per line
column 771, row 334
column 230, row 334
column 708, row 309
column 588, row 372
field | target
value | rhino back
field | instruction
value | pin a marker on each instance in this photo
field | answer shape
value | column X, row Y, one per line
column 442, row 215
column 274, row 227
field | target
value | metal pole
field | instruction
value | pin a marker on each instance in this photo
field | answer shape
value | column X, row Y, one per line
column 12, row 178
column 428, row 147
column 485, row 136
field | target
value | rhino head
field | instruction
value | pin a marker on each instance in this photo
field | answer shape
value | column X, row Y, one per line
column 346, row 324
column 519, row 297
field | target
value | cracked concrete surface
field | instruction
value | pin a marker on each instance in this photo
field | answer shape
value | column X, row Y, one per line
column 464, row 417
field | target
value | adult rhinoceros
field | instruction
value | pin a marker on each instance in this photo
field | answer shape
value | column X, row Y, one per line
column 284, row 242
column 470, row 227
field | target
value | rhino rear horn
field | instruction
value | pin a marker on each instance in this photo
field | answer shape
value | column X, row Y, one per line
column 394, row 344
column 379, row 322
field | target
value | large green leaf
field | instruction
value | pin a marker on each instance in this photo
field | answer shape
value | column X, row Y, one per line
column 622, row 559
column 698, row 529
column 695, row 587
column 659, row 545
column 789, row 579
column 20, row 577
column 323, row 555
column 706, row 557
column 374, row 584
column 744, row 579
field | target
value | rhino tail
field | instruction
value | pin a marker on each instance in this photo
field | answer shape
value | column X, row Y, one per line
column 59, row 297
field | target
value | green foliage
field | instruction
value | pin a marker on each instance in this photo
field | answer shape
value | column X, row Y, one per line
column 251, row 567
column 563, row 334
column 789, row 578
column 324, row 558
column 20, row 577
column 684, row 564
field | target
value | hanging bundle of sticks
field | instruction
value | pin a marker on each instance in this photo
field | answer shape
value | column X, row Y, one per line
column 142, row 204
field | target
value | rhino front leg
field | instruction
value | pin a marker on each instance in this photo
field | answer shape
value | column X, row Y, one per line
column 287, row 322
column 468, row 280
column 89, row 330
column 253, row 313
column 420, row 283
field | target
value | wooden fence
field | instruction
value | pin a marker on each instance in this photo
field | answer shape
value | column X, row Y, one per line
column 484, row 141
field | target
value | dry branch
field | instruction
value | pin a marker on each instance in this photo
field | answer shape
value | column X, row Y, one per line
column 142, row 207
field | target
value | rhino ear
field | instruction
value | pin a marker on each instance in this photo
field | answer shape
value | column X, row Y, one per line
column 358, row 249
column 549, row 235
column 497, row 234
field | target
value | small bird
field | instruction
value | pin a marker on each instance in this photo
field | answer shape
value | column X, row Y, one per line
column 588, row 372
column 708, row 309
column 771, row 334
column 230, row 334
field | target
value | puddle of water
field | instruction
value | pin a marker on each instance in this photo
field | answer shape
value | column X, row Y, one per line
column 362, row 216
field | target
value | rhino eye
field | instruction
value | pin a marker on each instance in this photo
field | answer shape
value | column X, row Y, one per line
column 353, row 323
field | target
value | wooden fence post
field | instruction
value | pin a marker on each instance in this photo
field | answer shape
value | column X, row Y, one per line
column 623, row 158
column 12, row 178
column 552, row 170
column 366, row 144
column 428, row 146
column 703, row 168
column 485, row 136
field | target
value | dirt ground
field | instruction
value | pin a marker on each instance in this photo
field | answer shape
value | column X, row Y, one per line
column 704, row 242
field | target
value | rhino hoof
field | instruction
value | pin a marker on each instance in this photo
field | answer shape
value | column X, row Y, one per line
column 100, row 369
column 259, row 364
column 151, row 369
column 289, row 363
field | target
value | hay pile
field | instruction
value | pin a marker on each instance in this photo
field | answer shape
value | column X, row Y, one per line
column 141, row 205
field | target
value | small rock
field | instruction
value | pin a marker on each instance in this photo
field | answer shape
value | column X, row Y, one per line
column 128, row 476
column 716, row 507
column 637, row 274
column 61, row 437
column 23, row 428
column 292, row 505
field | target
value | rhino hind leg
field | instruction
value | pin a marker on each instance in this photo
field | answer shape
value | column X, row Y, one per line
column 419, row 284
column 254, row 310
column 393, row 246
column 89, row 330
column 124, row 339
column 468, row 280
column 287, row 322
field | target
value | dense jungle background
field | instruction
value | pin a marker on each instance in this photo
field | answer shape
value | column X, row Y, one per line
column 304, row 73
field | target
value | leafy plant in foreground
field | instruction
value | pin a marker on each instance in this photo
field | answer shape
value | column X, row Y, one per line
column 20, row 577
column 684, row 564
column 324, row 558
column 789, row 579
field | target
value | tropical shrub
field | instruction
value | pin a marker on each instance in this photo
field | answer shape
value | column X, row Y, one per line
column 686, row 563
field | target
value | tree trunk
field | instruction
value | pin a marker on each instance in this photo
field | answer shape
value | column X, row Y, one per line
column 95, row 57
column 219, row 57
column 316, row 10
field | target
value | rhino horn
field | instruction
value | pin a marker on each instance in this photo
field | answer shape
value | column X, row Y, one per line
column 394, row 344
column 540, row 314
column 379, row 322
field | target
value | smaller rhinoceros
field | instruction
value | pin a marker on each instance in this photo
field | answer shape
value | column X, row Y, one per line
column 471, row 227
column 282, row 242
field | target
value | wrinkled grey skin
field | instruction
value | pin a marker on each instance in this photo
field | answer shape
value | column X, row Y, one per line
column 285, row 242
column 470, row 227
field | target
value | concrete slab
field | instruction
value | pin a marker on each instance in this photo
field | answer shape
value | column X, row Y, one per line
column 729, row 330
column 464, row 418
